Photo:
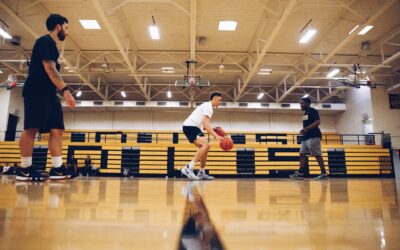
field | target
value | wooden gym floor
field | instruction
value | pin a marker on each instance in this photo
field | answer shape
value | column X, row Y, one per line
column 118, row 213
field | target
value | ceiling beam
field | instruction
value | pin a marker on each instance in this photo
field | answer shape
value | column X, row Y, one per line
column 384, row 39
column 386, row 62
column 394, row 87
column 33, row 33
column 193, row 10
column 351, row 10
column 343, row 43
column 100, row 12
column 332, row 93
column 289, row 7
column 11, row 67
column 328, row 29
column 258, row 33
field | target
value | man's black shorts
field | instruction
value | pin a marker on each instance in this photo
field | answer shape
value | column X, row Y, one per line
column 43, row 113
column 192, row 133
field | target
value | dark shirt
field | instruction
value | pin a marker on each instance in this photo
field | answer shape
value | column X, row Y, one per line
column 38, row 82
column 310, row 116
column 88, row 163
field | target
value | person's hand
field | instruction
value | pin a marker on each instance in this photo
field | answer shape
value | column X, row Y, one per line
column 69, row 99
column 303, row 131
column 219, row 138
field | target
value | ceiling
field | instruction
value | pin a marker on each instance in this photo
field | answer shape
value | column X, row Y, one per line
column 266, row 36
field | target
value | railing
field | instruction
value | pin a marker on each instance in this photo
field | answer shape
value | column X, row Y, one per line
column 175, row 137
column 395, row 141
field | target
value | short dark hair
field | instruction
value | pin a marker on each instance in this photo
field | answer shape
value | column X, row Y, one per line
column 306, row 100
column 213, row 94
column 55, row 19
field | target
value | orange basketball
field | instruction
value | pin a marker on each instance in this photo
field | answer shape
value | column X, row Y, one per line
column 219, row 131
column 226, row 144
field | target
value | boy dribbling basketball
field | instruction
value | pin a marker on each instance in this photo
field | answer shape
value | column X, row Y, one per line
column 192, row 128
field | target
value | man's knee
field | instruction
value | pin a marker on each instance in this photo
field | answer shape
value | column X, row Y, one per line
column 201, row 141
column 31, row 132
column 56, row 132
column 206, row 145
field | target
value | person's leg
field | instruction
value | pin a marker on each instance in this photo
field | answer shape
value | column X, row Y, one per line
column 303, row 162
column 195, row 136
column 203, row 161
column 320, row 161
column 203, row 146
column 202, row 152
column 323, row 174
column 36, row 114
column 304, row 150
column 316, row 151
column 26, row 143
column 56, row 127
column 55, row 146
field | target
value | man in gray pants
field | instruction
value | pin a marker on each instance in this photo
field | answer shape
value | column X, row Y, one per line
column 311, row 141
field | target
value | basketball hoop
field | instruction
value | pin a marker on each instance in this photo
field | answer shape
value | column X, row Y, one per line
column 191, row 79
column 11, row 81
column 11, row 85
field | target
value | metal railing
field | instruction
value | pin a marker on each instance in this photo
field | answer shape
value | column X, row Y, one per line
column 176, row 137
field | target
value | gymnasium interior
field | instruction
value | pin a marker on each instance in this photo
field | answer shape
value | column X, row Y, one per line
column 138, row 68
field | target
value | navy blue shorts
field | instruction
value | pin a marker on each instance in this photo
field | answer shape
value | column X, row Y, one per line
column 192, row 133
column 43, row 114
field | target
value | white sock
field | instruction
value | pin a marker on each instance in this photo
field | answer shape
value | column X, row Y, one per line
column 202, row 170
column 192, row 164
column 56, row 161
column 26, row 162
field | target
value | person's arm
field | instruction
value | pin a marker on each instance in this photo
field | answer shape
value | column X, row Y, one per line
column 55, row 77
column 209, row 129
column 311, row 126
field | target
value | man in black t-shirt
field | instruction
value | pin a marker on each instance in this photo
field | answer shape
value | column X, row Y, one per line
column 43, row 112
column 311, row 141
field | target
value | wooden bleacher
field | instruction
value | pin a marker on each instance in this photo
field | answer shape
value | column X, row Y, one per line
column 265, row 155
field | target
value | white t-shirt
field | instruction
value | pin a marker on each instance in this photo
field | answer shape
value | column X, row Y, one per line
column 196, row 117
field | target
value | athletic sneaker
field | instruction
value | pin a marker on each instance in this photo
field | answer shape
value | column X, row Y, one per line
column 60, row 173
column 30, row 174
column 322, row 177
column 297, row 176
column 189, row 173
column 203, row 176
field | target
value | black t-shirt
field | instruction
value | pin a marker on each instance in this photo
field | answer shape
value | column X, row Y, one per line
column 88, row 163
column 38, row 82
column 309, row 117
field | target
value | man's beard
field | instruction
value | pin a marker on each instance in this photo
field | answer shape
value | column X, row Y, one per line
column 61, row 35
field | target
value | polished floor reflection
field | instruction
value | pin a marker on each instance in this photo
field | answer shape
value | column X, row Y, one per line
column 103, row 213
column 287, row 214
column 117, row 213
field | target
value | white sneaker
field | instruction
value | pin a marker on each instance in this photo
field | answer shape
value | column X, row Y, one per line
column 189, row 173
column 204, row 176
column 322, row 176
